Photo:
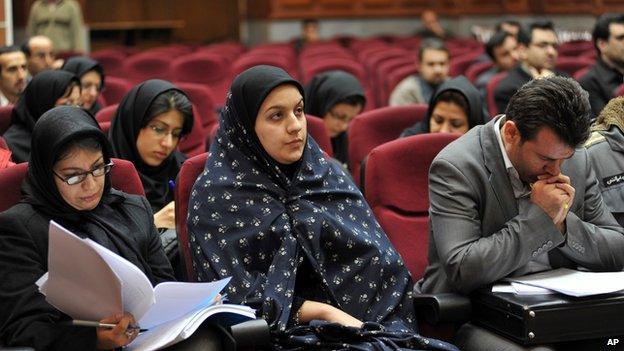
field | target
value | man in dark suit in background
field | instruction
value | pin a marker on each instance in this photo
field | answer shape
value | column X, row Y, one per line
column 537, row 49
column 605, row 76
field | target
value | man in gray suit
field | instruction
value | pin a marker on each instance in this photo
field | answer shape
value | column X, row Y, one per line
column 516, row 196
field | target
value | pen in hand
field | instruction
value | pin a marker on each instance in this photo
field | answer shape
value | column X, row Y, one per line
column 84, row 323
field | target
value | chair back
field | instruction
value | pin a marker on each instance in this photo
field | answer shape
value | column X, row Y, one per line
column 189, row 172
column 376, row 127
column 397, row 178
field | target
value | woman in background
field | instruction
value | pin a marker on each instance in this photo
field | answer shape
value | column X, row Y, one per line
column 454, row 108
column 147, row 127
column 336, row 97
column 91, row 75
column 46, row 90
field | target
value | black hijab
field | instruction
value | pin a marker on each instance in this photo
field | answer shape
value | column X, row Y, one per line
column 39, row 96
column 323, row 93
column 249, row 220
column 476, row 109
column 81, row 65
column 106, row 224
column 130, row 118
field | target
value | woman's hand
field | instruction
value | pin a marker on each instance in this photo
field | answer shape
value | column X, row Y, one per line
column 108, row 339
column 317, row 310
column 165, row 218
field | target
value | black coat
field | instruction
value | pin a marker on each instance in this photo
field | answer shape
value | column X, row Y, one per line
column 601, row 82
column 26, row 319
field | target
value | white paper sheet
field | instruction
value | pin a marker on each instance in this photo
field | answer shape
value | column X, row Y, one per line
column 575, row 283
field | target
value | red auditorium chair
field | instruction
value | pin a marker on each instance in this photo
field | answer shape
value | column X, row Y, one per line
column 106, row 114
column 460, row 64
column 373, row 128
column 231, row 49
column 396, row 188
column 474, row 71
column 203, row 68
column 111, row 60
column 5, row 118
column 575, row 48
column 123, row 175
column 491, row 86
column 115, row 89
column 319, row 52
column 329, row 64
column 384, row 69
column 105, row 126
column 395, row 77
column 316, row 128
column 189, row 172
column 376, row 59
column 570, row 65
column 147, row 65
column 202, row 98
column 194, row 143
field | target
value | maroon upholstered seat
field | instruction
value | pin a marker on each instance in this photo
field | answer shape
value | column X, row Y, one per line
column 316, row 128
column 5, row 118
column 106, row 114
column 376, row 127
column 189, row 172
column 396, row 188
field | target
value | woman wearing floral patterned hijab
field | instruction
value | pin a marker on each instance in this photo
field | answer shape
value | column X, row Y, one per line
column 289, row 226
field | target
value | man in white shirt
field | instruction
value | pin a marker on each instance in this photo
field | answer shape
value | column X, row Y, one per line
column 13, row 74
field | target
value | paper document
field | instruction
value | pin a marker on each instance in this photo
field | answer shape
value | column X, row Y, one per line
column 87, row 281
column 520, row 289
column 574, row 283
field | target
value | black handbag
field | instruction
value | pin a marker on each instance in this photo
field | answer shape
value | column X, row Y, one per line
column 544, row 319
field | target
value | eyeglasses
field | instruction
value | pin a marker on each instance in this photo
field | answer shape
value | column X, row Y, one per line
column 162, row 132
column 80, row 177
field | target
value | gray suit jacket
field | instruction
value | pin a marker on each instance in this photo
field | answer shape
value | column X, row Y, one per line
column 476, row 234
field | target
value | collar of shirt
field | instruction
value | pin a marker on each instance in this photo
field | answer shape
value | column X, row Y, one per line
column 519, row 189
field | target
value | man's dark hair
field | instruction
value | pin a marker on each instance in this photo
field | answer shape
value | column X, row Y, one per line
column 555, row 102
column 499, row 25
column 495, row 41
column 601, row 28
column 9, row 49
column 307, row 21
column 525, row 35
column 431, row 44
column 25, row 47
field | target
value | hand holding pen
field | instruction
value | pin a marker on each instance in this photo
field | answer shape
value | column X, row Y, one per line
column 121, row 334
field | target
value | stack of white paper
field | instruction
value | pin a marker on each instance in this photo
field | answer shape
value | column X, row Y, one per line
column 565, row 281
column 87, row 281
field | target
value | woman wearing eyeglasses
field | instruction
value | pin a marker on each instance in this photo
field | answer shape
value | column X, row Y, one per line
column 46, row 90
column 147, row 127
column 336, row 97
column 68, row 181
column 91, row 75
